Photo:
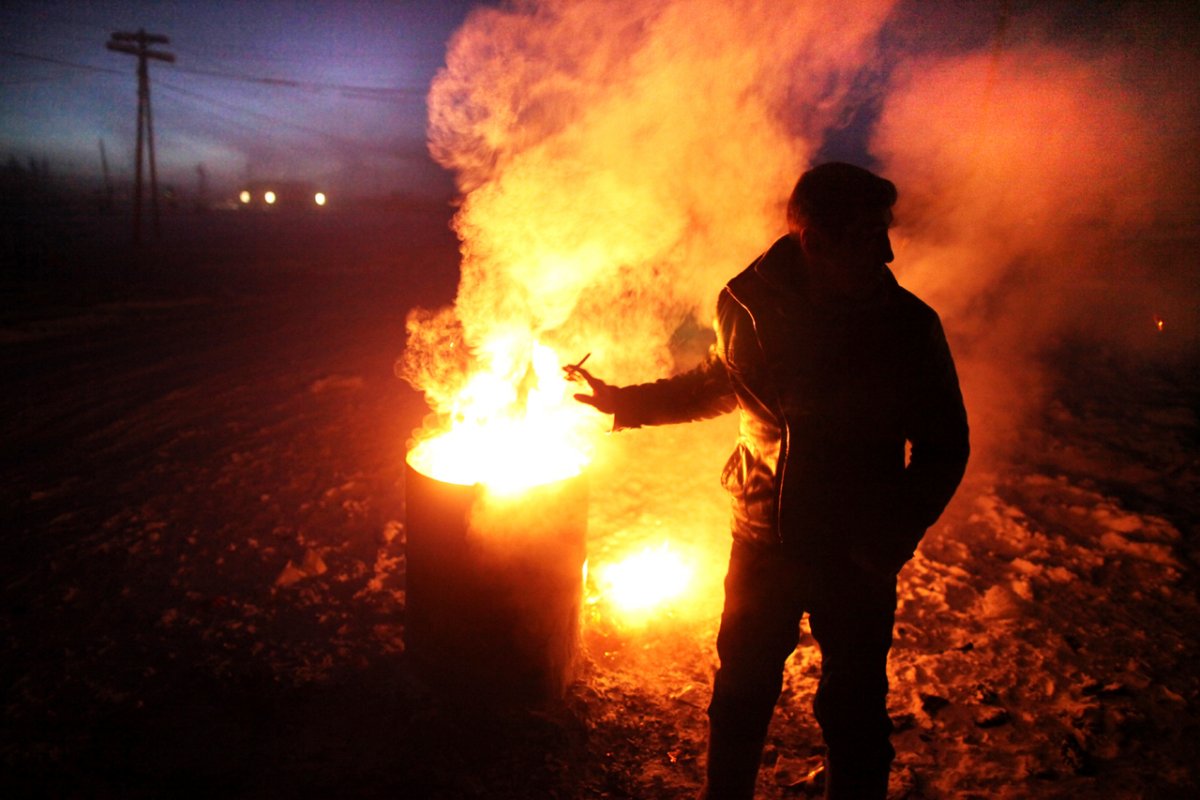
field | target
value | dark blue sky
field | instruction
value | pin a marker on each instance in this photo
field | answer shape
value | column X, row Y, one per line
column 320, row 126
column 350, row 112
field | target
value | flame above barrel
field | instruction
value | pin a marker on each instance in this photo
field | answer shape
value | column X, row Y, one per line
column 512, row 425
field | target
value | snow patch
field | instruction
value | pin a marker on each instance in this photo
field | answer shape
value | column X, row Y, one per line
column 1147, row 551
column 312, row 566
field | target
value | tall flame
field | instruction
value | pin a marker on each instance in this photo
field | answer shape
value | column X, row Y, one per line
column 617, row 162
column 506, row 431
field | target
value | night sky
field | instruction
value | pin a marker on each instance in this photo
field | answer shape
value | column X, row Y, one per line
column 335, row 93
column 343, row 103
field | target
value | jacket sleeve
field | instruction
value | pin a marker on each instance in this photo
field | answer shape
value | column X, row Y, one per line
column 938, row 433
column 700, row 393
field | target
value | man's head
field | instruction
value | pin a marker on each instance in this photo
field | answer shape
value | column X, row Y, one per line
column 840, row 215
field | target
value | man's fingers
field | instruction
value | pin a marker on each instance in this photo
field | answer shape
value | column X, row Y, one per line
column 594, row 382
column 601, row 401
column 574, row 372
column 602, row 395
column 579, row 372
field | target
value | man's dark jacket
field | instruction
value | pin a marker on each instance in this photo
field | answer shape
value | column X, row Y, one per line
column 828, row 393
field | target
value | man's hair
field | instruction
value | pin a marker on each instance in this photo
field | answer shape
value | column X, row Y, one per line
column 835, row 195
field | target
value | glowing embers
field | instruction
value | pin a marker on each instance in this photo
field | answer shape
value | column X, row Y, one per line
column 643, row 585
column 513, row 424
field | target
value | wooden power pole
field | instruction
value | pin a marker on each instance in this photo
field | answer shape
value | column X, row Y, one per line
column 137, row 44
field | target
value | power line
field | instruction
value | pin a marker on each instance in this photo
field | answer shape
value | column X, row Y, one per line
column 43, row 79
column 242, row 110
column 218, row 56
column 175, row 92
column 366, row 92
column 180, row 91
column 349, row 90
column 356, row 143
column 60, row 62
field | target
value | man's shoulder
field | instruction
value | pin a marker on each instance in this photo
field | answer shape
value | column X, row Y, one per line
column 912, row 306
column 745, row 282
column 756, row 278
column 915, row 320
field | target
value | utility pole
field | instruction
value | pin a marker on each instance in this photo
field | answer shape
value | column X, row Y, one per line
column 136, row 44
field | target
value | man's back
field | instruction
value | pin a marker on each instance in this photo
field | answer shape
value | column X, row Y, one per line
column 829, row 392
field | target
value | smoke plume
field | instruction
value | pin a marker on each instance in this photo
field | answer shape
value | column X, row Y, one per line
column 1044, row 203
column 618, row 161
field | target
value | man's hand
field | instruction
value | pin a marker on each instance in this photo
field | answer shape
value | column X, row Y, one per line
column 603, row 397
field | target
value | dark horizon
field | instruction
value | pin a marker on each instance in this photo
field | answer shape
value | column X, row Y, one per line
column 261, row 92
column 255, row 92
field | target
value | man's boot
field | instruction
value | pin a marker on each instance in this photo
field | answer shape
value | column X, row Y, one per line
column 732, row 768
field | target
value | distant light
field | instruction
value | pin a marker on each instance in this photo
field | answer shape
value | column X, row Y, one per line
column 319, row 198
column 244, row 196
column 269, row 197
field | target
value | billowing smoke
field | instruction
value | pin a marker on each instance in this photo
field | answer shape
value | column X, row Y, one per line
column 1048, row 198
column 619, row 161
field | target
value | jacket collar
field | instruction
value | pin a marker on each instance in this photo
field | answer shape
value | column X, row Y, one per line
column 784, row 267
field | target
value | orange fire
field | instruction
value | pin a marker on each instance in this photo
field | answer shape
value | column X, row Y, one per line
column 514, row 424
column 510, row 435
column 510, row 432
column 586, row 226
column 643, row 583
column 1158, row 322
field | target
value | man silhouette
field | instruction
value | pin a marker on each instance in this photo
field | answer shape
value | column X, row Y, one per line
column 834, row 369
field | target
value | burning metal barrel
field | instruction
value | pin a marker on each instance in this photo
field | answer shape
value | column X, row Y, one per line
column 495, row 587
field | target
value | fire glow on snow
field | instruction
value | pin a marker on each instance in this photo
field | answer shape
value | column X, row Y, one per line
column 644, row 581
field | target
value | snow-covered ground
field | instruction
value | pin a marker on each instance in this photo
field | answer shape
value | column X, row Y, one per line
column 203, row 569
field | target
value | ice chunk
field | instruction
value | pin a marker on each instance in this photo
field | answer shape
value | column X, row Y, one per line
column 1148, row 551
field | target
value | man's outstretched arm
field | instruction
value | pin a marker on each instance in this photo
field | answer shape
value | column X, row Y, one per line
column 700, row 393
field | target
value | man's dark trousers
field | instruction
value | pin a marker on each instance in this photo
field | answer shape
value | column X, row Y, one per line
column 851, row 613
